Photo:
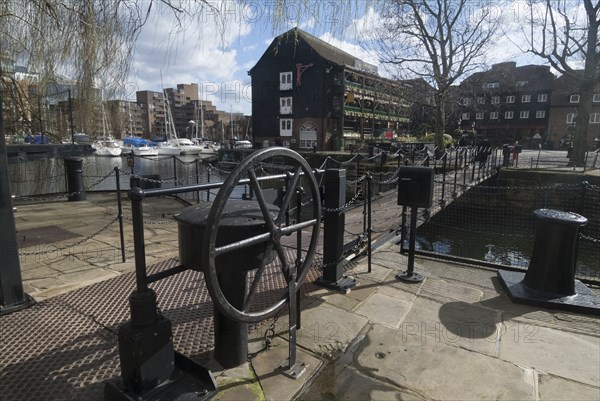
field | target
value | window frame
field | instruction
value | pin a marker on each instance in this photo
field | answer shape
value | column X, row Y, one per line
column 288, row 130
column 285, row 105
column 285, row 80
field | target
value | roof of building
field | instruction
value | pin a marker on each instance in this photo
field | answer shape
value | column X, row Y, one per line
column 324, row 49
column 507, row 74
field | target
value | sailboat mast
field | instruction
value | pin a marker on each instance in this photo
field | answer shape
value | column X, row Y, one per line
column 103, row 116
column 201, row 114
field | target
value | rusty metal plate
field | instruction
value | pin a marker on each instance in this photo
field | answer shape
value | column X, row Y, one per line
column 43, row 235
column 66, row 348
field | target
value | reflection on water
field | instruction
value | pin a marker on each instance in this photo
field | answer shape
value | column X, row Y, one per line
column 172, row 171
column 501, row 244
column 48, row 176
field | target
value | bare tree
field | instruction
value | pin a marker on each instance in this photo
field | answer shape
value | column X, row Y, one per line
column 439, row 41
column 565, row 34
column 89, row 41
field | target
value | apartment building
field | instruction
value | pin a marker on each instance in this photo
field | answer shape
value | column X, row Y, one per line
column 309, row 94
column 507, row 103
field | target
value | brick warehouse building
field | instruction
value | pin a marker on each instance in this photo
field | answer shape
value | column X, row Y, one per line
column 563, row 109
column 307, row 93
column 507, row 103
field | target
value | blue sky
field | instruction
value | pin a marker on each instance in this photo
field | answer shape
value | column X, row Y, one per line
column 216, row 49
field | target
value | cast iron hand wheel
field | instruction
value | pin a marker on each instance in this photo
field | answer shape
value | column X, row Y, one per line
column 276, row 228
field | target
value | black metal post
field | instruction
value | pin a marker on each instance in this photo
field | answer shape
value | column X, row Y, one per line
column 175, row 171
column 75, row 188
column 197, row 181
column 357, row 171
column 71, row 117
column 12, row 297
column 444, row 163
column 474, row 161
column 333, row 232
column 455, row 171
column 120, row 211
column 465, row 168
column 403, row 229
column 409, row 275
column 381, row 163
column 137, row 219
column 369, row 230
column 208, row 181
column 365, row 195
column 298, row 253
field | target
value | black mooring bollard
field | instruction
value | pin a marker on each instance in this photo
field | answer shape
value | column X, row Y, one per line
column 231, row 336
column 75, row 188
column 552, row 265
column 240, row 220
column 550, row 279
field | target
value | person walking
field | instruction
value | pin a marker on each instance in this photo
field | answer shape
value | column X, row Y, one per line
column 484, row 152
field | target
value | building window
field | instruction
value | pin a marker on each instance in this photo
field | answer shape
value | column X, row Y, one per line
column 491, row 85
column 571, row 118
column 481, row 100
column 508, row 115
column 308, row 143
column 479, row 116
column 285, row 128
column 494, row 115
column 524, row 114
column 465, row 116
column 525, row 98
column 595, row 118
column 466, row 101
column 574, row 99
column 521, row 83
column 596, row 98
column 285, row 105
column 495, row 99
column 542, row 97
column 540, row 114
column 285, row 80
column 308, row 135
column 510, row 99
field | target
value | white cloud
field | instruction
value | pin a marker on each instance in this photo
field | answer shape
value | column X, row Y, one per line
column 187, row 51
column 351, row 48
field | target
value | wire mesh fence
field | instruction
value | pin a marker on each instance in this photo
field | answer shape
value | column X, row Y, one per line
column 489, row 222
column 495, row 224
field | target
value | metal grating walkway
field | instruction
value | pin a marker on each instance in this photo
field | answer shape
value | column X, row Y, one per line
column 66, row 348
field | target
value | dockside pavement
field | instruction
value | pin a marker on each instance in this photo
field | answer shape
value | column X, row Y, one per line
column 454, row 336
